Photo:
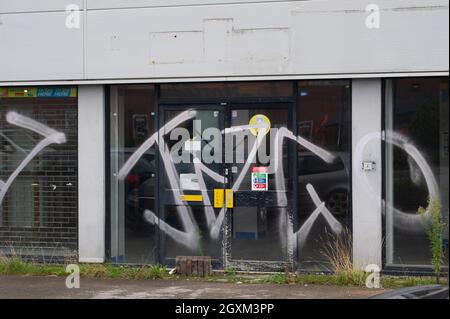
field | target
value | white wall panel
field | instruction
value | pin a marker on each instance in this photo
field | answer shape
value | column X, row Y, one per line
column 299, row 37
column 101, row 4
column 15, row 6
column 144, row 39
column 38, row 46
column 413, row 36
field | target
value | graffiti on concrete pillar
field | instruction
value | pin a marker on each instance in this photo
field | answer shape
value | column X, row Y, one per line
column 417, row 164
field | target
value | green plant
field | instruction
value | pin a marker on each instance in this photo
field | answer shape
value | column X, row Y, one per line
column 351, row 278
column 157, row 271
column 93, row 271
column 15, row 266
column 278, row 278
column 391, row 282
column 434, row 227
column 114, row 271
column 12, row 266
column 230, row 271
column 338, row 250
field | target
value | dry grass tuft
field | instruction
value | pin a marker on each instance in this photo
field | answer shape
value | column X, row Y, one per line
column 338, row 251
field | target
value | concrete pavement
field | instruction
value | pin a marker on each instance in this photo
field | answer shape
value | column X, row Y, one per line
column 54, row 287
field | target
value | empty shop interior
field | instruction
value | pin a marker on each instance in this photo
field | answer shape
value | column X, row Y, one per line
column 258, row 175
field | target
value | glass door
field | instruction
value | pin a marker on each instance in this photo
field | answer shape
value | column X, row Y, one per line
column 260, row 179
column 192, row 174
column 225, row 185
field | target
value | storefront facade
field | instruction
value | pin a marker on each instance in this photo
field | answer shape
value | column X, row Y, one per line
column 250, row 230
column 223, row 133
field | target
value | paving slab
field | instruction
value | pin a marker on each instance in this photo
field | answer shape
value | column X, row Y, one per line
column 25, row 287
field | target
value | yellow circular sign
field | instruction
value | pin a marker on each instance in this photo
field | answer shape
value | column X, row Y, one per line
column 262, row 122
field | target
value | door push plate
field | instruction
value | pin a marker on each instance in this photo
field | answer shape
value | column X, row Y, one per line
column 229, row 198
column 218, row 197
column 223, row 197
column 192, row 198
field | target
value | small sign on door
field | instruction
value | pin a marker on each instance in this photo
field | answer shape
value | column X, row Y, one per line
column 260, row 179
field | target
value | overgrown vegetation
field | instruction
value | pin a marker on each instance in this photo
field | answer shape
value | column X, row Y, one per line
column 230, row 271
column 338, row 252
column 434, row 227
column 15, row 266
column 387, row 282
column 278, row 278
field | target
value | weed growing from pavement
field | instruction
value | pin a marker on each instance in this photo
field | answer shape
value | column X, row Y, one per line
column 230, row 271
column 434, row 227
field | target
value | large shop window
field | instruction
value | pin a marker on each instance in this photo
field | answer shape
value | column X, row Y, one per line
column 132, row 123
column 163, row 207
column 38, row 172
column 416, row 164
column 323, row 118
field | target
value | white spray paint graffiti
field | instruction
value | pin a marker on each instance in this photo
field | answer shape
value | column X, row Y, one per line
column 237, row 184
column 189, row 235
column 134, row 158
column 321, row 209
column 294, row 238
column 50, row 137
column 402, row 220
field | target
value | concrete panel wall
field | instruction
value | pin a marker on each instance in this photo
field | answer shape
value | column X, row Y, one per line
column 101, row 4
column 91, row 173
column 303, row 37
column 143, row 39
column 17, row 6
column 38, row 46
column 410, row 32
column 366, row 185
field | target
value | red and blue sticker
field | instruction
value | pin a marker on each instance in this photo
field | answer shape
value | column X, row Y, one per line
column 260, row 178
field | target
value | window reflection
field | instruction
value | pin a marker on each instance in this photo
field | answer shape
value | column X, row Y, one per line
column 416, row 110
column 226, row 90
column 323, row 119
column 132, row 237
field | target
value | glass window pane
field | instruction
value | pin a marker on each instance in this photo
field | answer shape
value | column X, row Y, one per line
column 204, row 244
column 239, row 145
column 227, row 90
column 259, row 233
column 323, row 118
column 188, row 173
column 416, row 164
column 132, row 123
column 259, row 219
